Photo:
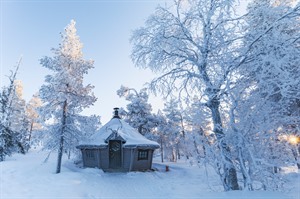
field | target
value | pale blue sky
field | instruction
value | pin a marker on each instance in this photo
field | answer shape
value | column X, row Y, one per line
column 31, row 28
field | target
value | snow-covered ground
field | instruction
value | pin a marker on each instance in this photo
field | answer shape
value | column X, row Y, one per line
column 28, row 176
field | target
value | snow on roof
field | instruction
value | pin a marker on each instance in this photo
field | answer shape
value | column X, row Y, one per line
column 131, row 136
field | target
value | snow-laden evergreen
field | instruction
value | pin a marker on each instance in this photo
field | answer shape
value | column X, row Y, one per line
column 64, row 95
column 18, row 120
column 138, row 111
column 173, row 131
column 14, row 124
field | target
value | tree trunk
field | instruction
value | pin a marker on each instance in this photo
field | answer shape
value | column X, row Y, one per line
column 61, row 141
column 246, row 176
column 174, row 154
column 69, row 154
column 229, row 177
column 161, row 150
column 140, row 128
column 202, row 137
column 1, row 154
column 30, row 132
column 295, row 154
column 178, row 151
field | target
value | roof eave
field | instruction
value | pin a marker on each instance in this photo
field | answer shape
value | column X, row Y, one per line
column 143, row 146
column 87, row 146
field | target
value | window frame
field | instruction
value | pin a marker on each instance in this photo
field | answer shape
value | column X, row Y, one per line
column 143, row 154
column 90, row 154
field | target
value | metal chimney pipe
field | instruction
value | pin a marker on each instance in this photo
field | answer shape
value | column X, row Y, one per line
column 116, row 113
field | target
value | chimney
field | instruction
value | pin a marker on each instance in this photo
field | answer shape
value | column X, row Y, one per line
column 116, row 113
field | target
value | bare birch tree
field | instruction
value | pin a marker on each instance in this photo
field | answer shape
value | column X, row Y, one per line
column 192, row 45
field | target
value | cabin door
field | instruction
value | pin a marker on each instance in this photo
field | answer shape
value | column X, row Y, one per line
column 115, row 157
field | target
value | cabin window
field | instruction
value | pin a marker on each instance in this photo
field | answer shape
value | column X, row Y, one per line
column 90, row 154
column 142, row 154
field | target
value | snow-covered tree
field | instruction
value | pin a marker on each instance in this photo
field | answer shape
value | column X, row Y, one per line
column 6, row 134
column 64, row 96
column 199, row 48
column 18, row 120
column 160, row 134
column 138, row 111
column 200, row 131
column 174, row 130
column 33, row 116
column 193, row 45
column 265, row 91
column 13, row 123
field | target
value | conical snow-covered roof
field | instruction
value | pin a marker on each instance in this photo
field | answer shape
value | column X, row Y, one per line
column 118, row 129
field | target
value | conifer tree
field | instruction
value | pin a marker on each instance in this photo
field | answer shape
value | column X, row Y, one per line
column 64, row 96
column 12, row 119
column 138, row 113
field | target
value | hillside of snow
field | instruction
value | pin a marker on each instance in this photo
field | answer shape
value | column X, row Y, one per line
column 29, row 176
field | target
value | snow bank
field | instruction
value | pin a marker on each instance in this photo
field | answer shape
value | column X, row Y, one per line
column 29, row 177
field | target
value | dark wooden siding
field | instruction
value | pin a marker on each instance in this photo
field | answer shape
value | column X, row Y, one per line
column 127, row 158
column 142, row 164
column 130, row 162
column 90, row 157
column 104, row 160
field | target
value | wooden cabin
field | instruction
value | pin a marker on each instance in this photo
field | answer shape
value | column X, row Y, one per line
column 118, row 147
